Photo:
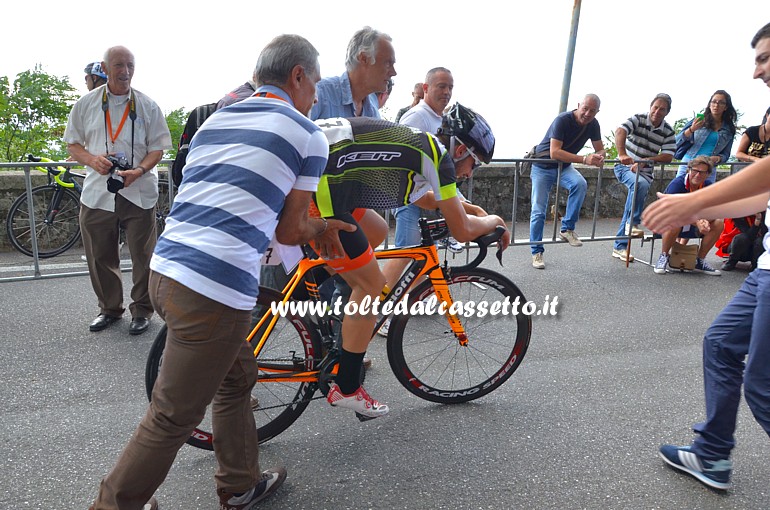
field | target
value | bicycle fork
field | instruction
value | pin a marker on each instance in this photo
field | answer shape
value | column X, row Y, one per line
column 438, row 276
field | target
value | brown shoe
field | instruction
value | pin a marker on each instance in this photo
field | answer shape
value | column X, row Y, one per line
column 152, row 504
column 271, row 480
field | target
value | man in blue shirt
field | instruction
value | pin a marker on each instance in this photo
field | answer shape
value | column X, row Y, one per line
column 369, row 65
column 696, row 178
column 565, row 138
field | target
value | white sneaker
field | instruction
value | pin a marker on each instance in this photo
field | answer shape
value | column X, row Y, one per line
column 451, row 244
column 360, row 402
column 537, row 261
column 571, row 237
column 622, row 254
column 660, row 266
column 635, row 231
column 383, row 331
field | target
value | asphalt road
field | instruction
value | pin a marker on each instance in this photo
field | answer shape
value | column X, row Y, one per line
column 604, row 383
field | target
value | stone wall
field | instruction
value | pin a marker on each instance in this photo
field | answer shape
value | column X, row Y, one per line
column 493, row 189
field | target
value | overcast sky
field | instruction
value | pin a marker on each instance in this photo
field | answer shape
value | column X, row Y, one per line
column 507, row 58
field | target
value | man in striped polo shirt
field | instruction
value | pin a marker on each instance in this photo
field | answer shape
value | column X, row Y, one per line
column 645, row 136
column 250, row 174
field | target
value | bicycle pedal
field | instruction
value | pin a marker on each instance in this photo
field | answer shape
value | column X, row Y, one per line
column 361, row 417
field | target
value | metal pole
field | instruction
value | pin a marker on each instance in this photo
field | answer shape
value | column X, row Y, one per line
column 570, row 57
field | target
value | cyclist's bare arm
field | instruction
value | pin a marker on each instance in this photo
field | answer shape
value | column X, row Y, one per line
column 740, row 194
column 296, row 227
column 467, row 228
column 428, row 201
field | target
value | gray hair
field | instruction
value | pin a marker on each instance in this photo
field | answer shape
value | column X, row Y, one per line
column 364, row 41
column 280, row 56
column 664, row 97
column 116, row 49
column 594, row 97
column 433, row 72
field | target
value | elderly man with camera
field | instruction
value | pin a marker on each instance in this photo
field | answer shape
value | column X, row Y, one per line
column 119, row 135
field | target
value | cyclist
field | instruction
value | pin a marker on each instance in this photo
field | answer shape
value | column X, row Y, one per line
column 376, row 164
column 95, row 75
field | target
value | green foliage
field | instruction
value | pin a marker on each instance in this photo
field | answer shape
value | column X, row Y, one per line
column 610, row 148
column 176, row 121
column 33, row 115
column 678, row 124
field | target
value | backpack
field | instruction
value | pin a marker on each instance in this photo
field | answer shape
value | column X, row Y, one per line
column 194, row 121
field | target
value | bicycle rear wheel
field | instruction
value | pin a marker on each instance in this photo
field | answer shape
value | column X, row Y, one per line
column 292, row 346
column 430, row 362
column 57, row 225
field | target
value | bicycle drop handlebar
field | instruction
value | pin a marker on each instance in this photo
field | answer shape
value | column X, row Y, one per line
column 433, row 230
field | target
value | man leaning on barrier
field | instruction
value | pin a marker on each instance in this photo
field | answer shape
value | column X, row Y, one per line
column 565, row 138
column 645, row 136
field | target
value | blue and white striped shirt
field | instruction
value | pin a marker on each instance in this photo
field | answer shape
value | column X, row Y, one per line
column 242, row 163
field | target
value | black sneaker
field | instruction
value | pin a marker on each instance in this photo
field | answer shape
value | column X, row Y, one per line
column 728, row 265
column 271, row 480
column 714, row 473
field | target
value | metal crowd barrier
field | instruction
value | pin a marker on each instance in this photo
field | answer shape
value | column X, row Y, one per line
column 516, row 165
column 36, row 269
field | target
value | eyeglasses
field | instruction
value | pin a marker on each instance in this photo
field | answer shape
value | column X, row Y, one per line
column 718, row 103
column 696, row 171
column 476, row 160
column 471, row 154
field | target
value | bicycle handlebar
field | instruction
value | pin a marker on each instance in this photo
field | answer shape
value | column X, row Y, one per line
column 483, row 243
column 432, row 230
column 60, row 174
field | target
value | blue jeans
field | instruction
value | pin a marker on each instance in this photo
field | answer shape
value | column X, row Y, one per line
column 742, row 328
column 543, row 180
column 407, row 225
column 625, row 176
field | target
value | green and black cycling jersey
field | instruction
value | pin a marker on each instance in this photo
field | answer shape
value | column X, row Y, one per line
column 376, row 164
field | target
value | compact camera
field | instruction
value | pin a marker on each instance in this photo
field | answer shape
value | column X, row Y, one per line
column 114, row 181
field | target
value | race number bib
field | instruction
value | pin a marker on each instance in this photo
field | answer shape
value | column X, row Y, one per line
column 287, row 256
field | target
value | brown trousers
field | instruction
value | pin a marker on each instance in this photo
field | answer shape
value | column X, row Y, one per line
column 206, row 360
column 101, row 234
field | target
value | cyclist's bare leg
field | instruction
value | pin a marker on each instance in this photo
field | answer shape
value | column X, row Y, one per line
column 374, row 226
column 357, row 328
column 367, row 280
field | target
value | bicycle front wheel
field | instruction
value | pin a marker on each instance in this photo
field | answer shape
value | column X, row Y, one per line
column 57, row 224
column 293, row 346
column 430, row 362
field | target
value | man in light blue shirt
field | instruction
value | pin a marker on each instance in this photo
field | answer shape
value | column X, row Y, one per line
column 369, row 65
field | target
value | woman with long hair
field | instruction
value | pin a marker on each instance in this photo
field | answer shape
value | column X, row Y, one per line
column 710, row 134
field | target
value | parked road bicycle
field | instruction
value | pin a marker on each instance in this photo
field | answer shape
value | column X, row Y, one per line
column 56, row 207
column 447, row 358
